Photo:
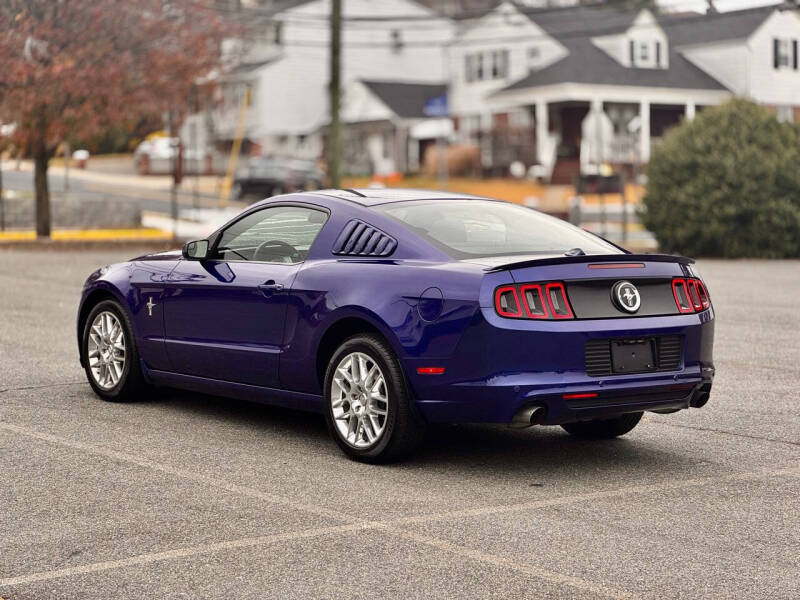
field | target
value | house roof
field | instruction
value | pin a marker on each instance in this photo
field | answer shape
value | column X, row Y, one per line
column 405, row 99
column 586, row 63
column 703, row 29
column 576, row 21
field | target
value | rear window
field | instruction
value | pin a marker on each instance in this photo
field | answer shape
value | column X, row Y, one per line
column 480, row 228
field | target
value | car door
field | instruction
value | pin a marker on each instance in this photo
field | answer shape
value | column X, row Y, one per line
column 225, row 315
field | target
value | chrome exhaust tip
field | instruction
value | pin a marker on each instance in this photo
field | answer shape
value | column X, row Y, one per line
column 527, row 416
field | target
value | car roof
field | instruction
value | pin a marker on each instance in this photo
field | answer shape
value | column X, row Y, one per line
column 377, row 196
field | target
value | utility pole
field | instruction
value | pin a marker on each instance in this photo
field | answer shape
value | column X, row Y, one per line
column 334, row 132
column 2, row 205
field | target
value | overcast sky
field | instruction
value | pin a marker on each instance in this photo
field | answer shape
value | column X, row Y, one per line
column 722, row 5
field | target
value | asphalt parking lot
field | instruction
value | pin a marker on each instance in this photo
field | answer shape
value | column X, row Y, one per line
column 185, row 496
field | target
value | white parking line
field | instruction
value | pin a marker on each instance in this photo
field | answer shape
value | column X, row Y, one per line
column 600, row 495
column 182, row 473
column 392, row 526
column 143, row 559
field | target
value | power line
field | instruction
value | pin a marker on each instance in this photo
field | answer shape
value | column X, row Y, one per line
column 556, row 35
column 370, row 20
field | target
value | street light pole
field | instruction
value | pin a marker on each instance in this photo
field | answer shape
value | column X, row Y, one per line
column 334, row 132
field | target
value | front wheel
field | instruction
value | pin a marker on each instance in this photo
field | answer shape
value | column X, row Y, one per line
column 604, row 429
column 368, row 409
column 110, row 357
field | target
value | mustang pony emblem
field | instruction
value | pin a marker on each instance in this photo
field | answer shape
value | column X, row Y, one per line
column 626, row 296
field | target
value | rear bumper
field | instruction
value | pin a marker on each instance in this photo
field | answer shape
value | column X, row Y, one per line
column 497, row 373
column 493, row 404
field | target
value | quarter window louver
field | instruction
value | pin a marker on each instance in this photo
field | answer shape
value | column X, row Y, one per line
column 362, row 239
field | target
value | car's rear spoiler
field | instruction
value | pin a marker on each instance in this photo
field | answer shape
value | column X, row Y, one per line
column 590, row 258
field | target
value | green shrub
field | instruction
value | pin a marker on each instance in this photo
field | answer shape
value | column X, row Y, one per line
column 727, row 184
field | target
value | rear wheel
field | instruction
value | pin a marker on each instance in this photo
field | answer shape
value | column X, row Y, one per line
column 603, row 429
column 110, row 357
column 368, row 409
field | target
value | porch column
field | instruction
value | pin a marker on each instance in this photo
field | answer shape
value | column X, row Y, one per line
column 644, row 131
column 598, row 143
column 542, row 131
column 690, row 110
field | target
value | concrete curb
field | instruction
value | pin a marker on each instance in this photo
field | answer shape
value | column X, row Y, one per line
column 60, row 245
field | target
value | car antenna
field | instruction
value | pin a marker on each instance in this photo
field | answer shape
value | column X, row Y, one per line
column 575, row 252
column 352, row 191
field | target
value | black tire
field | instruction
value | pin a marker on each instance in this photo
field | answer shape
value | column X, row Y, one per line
column 604, row 429
column 404, row 428
column 131, row 383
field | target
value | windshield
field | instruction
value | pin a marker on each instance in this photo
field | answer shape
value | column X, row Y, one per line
column 481, row 228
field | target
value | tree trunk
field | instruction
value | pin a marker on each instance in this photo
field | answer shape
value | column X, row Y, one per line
column 41, row 162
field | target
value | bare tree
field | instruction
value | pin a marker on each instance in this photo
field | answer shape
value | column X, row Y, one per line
column 72, row 67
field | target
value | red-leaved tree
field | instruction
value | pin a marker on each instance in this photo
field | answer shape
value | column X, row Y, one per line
column 72, row 67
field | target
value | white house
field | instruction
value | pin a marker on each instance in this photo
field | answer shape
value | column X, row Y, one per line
column 576, row 87
column 287, row 69
column 385, row 126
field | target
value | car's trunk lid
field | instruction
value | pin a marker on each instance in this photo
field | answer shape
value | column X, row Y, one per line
column 591, row 280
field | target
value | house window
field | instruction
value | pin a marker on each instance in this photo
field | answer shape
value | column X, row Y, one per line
column 388, row 142
column 499, row 64
column 534, row 55
column 785, row 114
column 274, row 32
column 397, row 41
column 784, row 53
column 644, row 52
column 486, row 65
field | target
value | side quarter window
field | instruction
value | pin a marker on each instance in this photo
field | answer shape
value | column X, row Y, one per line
column 279, row 234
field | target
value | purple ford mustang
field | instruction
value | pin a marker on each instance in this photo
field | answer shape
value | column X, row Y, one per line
column 390, row 309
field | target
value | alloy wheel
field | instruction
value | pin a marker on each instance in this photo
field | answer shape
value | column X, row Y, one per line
column 106, row 350
column 359, row 400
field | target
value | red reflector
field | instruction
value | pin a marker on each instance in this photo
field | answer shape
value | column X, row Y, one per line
column 430, row 370
column 576, row 396
column 681, row 386
column 617, row 266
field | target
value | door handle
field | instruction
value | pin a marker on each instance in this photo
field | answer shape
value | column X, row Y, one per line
column 269, row 287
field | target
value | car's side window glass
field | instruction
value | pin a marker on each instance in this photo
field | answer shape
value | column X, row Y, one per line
column 281, row 234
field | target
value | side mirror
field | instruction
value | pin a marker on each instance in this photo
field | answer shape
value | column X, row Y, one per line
column 196, row 250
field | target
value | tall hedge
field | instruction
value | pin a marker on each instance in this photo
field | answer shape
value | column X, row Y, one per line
column 727, row 184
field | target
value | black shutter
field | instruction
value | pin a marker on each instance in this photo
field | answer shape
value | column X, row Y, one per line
column 658, row 53
column 633, row 52
column 775, row 52
column 794, row 54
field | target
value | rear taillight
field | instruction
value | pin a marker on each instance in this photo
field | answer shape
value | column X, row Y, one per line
column 690, row 295
column 506, row 301
column 546, row 300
